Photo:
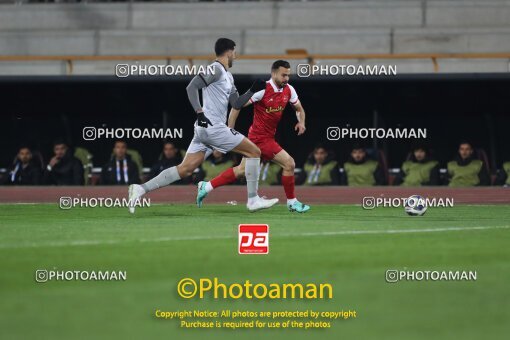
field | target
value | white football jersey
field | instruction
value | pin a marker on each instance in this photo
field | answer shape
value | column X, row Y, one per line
column 216, row 95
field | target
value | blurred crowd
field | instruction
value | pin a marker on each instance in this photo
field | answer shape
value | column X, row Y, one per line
column 364, row 167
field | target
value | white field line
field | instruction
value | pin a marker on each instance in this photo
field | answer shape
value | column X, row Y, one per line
column 221, row 237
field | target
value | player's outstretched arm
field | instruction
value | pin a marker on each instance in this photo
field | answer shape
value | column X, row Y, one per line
column 301, row 117
column 238, row 101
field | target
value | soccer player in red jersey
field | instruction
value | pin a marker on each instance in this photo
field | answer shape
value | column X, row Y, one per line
column 268, row 109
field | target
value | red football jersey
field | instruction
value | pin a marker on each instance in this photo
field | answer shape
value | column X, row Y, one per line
column 268, row 106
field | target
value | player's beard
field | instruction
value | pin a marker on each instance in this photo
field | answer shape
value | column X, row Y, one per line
column 230, row 62
column 280, row 84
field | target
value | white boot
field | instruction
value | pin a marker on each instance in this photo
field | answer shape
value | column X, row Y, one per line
column 135, row 192
column 259, row 203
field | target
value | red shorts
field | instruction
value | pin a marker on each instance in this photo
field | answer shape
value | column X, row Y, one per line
column 268, row 147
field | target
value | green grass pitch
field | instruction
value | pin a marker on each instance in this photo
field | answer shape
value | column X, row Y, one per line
column 344, row 245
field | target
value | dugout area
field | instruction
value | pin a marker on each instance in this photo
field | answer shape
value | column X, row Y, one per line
column 337, row 242
column 451, row 107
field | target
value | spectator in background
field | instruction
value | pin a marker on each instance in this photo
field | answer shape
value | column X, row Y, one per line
column 63, row 168
column 419, row 170
column 321, row 169
column 503, row 177
column 171, row 156
column 120, row 170
column 359, row 170
column 216, row 164
column 24, row 170
column 466, row 170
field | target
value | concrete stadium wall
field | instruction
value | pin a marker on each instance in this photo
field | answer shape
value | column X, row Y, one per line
column 392, row 26
column 232, row 15
column 451, row 40
column 395, row 13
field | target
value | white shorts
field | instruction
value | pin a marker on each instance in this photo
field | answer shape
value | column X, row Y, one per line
column 217, row 137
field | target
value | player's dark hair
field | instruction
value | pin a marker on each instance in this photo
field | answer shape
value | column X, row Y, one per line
column 223, row 45
column 279, row 63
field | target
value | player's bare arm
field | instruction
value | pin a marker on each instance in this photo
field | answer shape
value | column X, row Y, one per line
column 301, row 117
column 232, row 118
column 234, row 113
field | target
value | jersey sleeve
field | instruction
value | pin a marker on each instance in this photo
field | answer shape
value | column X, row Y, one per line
column 234, row 89
column 210, row 77
column 293, row 95
column 257, row 96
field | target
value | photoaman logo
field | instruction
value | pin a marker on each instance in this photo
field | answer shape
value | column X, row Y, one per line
column 253, row 239
column 188, row 288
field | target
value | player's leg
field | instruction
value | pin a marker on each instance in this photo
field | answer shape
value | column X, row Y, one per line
column 232, row 174
column 251, row 160
column 252, row 173
column 239, row 169
column 227, row 177
column 192, row 160
column 224, row 139
column 283, row 159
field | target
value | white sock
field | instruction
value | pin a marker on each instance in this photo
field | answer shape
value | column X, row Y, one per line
column 252, row 172
column 291, row 201
column 208, row 187
column 166, row 177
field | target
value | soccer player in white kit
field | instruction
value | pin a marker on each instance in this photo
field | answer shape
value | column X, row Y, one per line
column 211, row 132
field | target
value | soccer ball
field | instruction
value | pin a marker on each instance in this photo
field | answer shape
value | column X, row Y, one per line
column 415, row 206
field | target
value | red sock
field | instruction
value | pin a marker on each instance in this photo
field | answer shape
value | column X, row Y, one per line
column 226, row 177
column 288, row 186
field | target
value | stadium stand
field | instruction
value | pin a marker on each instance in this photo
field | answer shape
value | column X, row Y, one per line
column 420, row 34
column 90, row 38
